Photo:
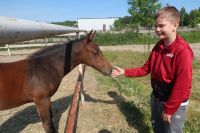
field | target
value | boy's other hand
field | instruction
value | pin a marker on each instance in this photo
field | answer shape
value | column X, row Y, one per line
column 117, row 71
column 166, row 117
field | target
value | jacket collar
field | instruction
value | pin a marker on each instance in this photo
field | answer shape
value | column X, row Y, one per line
column 172, row 45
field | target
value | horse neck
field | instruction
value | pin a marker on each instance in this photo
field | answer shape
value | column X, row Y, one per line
column 71, row 57
column 56, row 60
column 53, row 60
column 65, row 58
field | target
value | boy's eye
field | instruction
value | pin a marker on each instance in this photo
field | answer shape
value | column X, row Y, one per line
column 160, row 25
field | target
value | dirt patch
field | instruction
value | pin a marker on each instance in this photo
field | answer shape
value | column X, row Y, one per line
column 101, row 112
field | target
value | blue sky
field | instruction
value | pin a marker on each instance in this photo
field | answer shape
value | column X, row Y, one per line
column 61, row 10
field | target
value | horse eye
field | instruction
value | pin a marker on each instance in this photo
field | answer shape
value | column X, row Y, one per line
column 96, row 52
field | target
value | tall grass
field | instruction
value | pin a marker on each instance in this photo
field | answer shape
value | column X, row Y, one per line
column 129, row 38
column 123, row 38
column 137, row 92
column 191, row 37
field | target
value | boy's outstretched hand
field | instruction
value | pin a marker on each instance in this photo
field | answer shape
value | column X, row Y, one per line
column 117, row 71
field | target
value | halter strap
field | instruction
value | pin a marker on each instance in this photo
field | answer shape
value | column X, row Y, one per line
column 68, row 51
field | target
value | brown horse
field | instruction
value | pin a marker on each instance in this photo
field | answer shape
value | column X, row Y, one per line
column 38, row 77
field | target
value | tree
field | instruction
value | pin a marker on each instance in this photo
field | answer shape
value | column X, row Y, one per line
column 118, row 24
column 186, row 20
column 183, row 14
column 67, row 23
column 143, row 12
column 123, row 23
column 195, row 17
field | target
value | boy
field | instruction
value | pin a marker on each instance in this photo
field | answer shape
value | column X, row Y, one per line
column 170, row 66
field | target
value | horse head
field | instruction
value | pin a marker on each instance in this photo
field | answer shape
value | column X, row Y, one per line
column 90, row 54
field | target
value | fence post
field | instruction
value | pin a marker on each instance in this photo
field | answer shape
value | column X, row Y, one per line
column 82, row 72
column 77, row 35
column 45, row 42
column 8, row 49
column 70, row 126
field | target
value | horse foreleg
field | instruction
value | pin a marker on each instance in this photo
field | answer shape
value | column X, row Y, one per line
column 44, row 111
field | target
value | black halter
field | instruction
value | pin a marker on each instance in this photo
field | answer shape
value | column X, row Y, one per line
column 68, row 51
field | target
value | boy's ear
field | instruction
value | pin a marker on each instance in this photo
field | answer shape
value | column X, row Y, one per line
column 176, row 25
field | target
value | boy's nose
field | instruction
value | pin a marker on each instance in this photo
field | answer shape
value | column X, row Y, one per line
column 157, row 29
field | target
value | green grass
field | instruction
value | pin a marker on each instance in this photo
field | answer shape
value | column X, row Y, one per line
column 191, row 37
column 136, row 92
column 123, row 38
column 129, row 38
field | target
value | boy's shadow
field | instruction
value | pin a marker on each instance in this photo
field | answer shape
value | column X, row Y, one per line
column 133, row 114
column 29, row 115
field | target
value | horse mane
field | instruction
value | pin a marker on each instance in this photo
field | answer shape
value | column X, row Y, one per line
column 53, row 48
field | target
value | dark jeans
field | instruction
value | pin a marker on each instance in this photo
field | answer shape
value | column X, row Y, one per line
column 177, row 120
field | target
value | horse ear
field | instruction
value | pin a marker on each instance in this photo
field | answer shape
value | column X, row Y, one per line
column 92, row 35
column 89, row 37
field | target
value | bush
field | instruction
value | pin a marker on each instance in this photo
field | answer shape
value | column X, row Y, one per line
column 130, row 38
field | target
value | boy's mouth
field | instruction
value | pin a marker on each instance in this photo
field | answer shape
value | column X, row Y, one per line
column 159, row 33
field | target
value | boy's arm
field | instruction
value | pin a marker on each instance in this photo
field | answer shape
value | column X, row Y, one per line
column 182, row 85
column 139, row 71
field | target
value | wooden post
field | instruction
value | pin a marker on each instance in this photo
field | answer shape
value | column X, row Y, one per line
column 82, row 72
column 75, row 102
column 77, row 35
column 72, row 111
column 45, row 42
column 8, row 48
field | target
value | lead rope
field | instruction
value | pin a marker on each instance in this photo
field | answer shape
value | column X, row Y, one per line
column 68, row 51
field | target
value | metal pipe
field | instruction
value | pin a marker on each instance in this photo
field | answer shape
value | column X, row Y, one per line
column 15, row 30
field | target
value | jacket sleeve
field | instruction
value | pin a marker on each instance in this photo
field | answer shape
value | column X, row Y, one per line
column 138, row 71
column 182, row 84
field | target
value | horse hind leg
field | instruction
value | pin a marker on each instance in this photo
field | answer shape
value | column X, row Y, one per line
column 44, row 110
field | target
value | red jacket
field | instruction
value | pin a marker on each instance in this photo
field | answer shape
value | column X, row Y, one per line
column 170, row 67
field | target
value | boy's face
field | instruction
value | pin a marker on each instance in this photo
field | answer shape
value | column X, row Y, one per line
column 165, row 28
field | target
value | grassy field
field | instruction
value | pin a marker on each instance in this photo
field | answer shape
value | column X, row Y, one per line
column 136, row 92
column 129, row 38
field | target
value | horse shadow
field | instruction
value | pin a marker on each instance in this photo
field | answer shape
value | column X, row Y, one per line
column 29, row 115
column 134, row 115
column 104, row 131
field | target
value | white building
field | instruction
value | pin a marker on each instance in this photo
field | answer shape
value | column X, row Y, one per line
column 98, row 24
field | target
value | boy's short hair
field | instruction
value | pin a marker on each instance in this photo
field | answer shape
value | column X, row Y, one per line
column 170, row 12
